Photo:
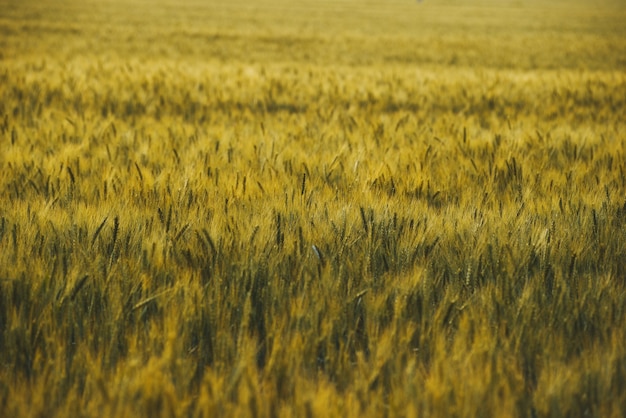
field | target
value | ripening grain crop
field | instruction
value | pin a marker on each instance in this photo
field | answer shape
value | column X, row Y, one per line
column 315, row 209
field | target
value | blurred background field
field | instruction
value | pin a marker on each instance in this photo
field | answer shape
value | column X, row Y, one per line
column 312, row 208
column 498, row 34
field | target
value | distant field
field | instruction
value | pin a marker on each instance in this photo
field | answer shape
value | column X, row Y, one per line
column 312, row 208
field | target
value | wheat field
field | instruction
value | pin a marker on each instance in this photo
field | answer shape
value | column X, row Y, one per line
column 312, row 208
